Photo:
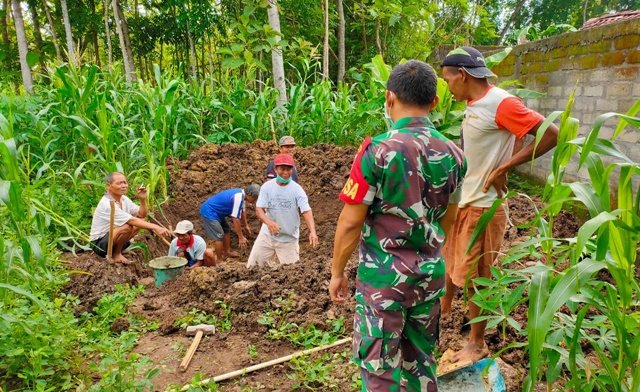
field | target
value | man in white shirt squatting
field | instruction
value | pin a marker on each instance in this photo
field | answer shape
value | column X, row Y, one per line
column 128, row 218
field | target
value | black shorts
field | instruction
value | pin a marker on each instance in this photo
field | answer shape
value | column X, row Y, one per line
column 100, row 246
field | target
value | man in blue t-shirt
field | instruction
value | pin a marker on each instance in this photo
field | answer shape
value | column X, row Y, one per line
column 228, row 203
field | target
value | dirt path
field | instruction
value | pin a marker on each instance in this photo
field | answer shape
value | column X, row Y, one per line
column 301, row 289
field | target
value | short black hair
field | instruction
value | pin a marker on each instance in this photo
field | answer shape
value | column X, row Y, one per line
column 414, row 82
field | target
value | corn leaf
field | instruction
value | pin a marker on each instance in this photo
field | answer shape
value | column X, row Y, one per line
column 485, row 219
column 536, row 328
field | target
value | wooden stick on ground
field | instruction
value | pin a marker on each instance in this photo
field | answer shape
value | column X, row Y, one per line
column 112, row 204
column 167, row 243
column 263, row 365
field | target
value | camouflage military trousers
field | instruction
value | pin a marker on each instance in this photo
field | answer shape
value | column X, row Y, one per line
column 394, row 348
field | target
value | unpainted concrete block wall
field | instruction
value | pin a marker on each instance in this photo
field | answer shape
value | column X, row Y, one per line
column 602, row 64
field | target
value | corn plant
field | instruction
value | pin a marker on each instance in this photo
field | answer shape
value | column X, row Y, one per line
column 596, row 314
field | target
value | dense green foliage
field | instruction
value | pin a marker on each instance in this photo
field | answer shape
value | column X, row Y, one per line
column 216, row 36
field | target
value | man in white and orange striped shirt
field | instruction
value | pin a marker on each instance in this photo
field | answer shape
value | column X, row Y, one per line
column 492, row 122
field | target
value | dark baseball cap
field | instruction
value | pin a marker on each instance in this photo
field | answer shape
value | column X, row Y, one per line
column 470, row 59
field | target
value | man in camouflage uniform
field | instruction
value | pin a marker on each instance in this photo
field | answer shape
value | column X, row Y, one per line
column 400, row 200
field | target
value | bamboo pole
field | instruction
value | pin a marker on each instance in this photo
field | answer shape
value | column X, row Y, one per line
column 111, row 221
column 263, row 365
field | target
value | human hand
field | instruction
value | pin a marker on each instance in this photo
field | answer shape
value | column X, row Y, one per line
column 273, row 227
column 161, row 231
column 313, row 240
column 242, row 241
column 249, row 231
column 338, row 287
column 142, row 192
column 498, row 179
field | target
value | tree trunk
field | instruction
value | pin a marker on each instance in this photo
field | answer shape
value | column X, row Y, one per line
column 378, row 44
column 364, row 27
column 276, row 53
column 94, row 32
column 513, row 16
column 192, row 52
column 5, row 34
column 341, row 51
column 211, row 70
column 325, row 52
column 584, row 12
column 52, row 30
column 67, row 29
column 108, row 31
column 125, row 42
column 22, row 46
column 37, row 35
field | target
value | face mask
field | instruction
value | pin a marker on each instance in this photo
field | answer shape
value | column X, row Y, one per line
column 387, row 116
column 282, row 180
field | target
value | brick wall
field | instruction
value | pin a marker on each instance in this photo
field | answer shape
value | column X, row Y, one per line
column 605, row 64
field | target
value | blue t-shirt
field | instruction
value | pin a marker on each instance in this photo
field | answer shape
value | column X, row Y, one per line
column 225, row 203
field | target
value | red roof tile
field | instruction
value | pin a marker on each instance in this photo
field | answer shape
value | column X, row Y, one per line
column 612, row 18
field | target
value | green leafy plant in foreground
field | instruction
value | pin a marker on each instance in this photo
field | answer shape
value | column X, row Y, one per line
column 195, row 385
column 195, row 317
column 314, row 375
column 579, row 327
column 306, row 337
column 253, row 350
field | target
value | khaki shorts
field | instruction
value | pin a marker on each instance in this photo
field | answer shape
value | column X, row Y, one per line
column 267, row 251
column 483, row 252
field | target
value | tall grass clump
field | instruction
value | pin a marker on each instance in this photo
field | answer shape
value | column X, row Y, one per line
column 583, row 324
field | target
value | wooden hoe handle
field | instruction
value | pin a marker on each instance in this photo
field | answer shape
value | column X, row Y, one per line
column 112, row 205
column 191, row 351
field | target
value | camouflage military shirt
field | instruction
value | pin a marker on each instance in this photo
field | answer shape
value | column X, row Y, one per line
column 408, row 176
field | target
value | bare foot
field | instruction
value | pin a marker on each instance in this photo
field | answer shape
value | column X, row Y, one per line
column 471, row 352
column 119, row 258
column 232, row 254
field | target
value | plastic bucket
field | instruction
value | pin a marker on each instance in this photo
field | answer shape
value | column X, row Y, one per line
column 167, row 268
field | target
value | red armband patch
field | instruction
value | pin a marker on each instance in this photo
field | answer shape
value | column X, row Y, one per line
column 356, row 187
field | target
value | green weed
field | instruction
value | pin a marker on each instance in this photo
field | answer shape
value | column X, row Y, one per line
column 306, row 337
column 195, row 317
column 253, row 351
column 314, row 375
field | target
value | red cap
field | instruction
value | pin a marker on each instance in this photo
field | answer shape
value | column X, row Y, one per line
column 283, row 160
